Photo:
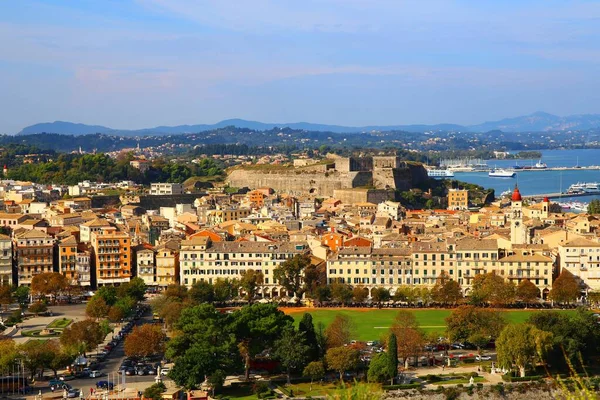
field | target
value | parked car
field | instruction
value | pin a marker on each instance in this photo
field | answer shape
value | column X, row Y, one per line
column 164, row 371
column 72, row 393
column 130, row 371
column 105, row 385
column 96, row 374
column 483, row 358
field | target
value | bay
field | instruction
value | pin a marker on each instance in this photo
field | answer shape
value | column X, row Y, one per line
column 541, row 182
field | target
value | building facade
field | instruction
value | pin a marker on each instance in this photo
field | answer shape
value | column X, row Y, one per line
column 112, row 253
column 166, row 188
column 6, row 257
column 35, row 253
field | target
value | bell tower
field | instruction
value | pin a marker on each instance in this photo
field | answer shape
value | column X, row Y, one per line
column 517, row 229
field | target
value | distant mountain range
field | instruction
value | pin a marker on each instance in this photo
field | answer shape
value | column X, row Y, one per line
column 536, row 122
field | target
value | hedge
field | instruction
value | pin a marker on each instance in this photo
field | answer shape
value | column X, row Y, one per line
column 508, row 378
column 404, row 386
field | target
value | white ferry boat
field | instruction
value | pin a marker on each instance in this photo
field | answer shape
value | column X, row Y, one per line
column 585, row 187
column 501, row 173
column 440, row 173
column 540, row 165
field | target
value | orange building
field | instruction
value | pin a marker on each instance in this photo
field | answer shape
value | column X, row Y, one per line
column 112, row 253
column 333, row 240
column 257, row 197
column 67, row 259
column 358, row 241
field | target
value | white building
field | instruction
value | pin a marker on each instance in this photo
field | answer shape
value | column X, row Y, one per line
column 166, row 188
column 5, row 260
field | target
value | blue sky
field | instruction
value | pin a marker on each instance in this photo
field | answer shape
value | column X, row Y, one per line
column 141, row 63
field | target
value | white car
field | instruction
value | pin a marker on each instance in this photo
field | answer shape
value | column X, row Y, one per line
column 370, row 343
column 164, row 371
column 483, row 358
column 96, row 374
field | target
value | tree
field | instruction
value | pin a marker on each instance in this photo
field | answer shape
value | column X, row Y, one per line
column 409, row 337
column 82, row 336
column 555, row 208
column 144, row 341
column 340, row 331
column 108, row 294
column 521, row 345
column 360, row 294
column 341, row 292
column 492, row 288
column 257, row 327
column 342, row 359
column 6, row 296
column 96, row 308
column 575, row 335
column 21, row 294
column 291, row 349
column 527, row 291
column 474, row 325
column 34, row 356
column 379, row 295
column 216, row 380
column 565, row 289
column 176, row 291
column 205, row 343
column 392, row 357
column 49, row 284
column 135, row 288
column 37, row 308
column 155, row 391
column 322, row 294
column 315, row 277
column 250, row 282
column 379, row 368
column 225, row 289
column 446, row 290
column 289, row 273
column 8, row 353
column 594, row 207
column 58, row 357
column 307, row 328
column 314, row 370
column 115, row 314
column 201, row 292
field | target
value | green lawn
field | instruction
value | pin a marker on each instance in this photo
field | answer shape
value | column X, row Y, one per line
column 59, row 323
column 373, row 324
column 330, row 389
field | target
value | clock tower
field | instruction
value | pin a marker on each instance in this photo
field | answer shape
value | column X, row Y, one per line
column 517, row 229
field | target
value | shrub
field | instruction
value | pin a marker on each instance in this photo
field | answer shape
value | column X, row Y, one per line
column 469, row 361
column 402, row 387
column 260, row 387
column 473, row 374
column 452, row 393
column 509, row 378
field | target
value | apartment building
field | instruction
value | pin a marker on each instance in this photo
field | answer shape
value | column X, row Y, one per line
column 67, row 259
column 458, row 199
column 145, row 264
column 219, row 216
column 112, row 252
column 83, row 268
column 95, row 225
column 166, row 188
column 421, row 263
column 581, row 257
column 6, row 255
column 167, row 264
column 35, row 252
column 202, row 260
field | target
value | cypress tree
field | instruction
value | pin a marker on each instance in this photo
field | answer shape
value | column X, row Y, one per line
column 307, row 327
column 392, row 356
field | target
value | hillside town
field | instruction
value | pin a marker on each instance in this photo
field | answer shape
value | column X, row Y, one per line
column 359, row 243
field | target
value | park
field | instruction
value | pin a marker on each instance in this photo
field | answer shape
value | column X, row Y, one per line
column 372, row 323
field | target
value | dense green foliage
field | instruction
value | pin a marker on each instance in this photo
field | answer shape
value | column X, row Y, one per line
column 594, row 207
column 73, row 168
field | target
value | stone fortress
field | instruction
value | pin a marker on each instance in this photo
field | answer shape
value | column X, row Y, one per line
column 372, row 179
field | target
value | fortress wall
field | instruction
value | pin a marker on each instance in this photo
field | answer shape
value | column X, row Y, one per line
column 296, row 182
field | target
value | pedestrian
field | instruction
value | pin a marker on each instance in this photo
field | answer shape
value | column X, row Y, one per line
column 52, row 389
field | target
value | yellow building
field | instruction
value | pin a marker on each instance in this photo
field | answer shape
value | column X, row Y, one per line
column 167, row 264
column 458, row 199
column 112, row 252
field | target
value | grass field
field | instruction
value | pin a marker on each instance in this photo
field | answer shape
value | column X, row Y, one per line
column 371, row 324
column 59, row 323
